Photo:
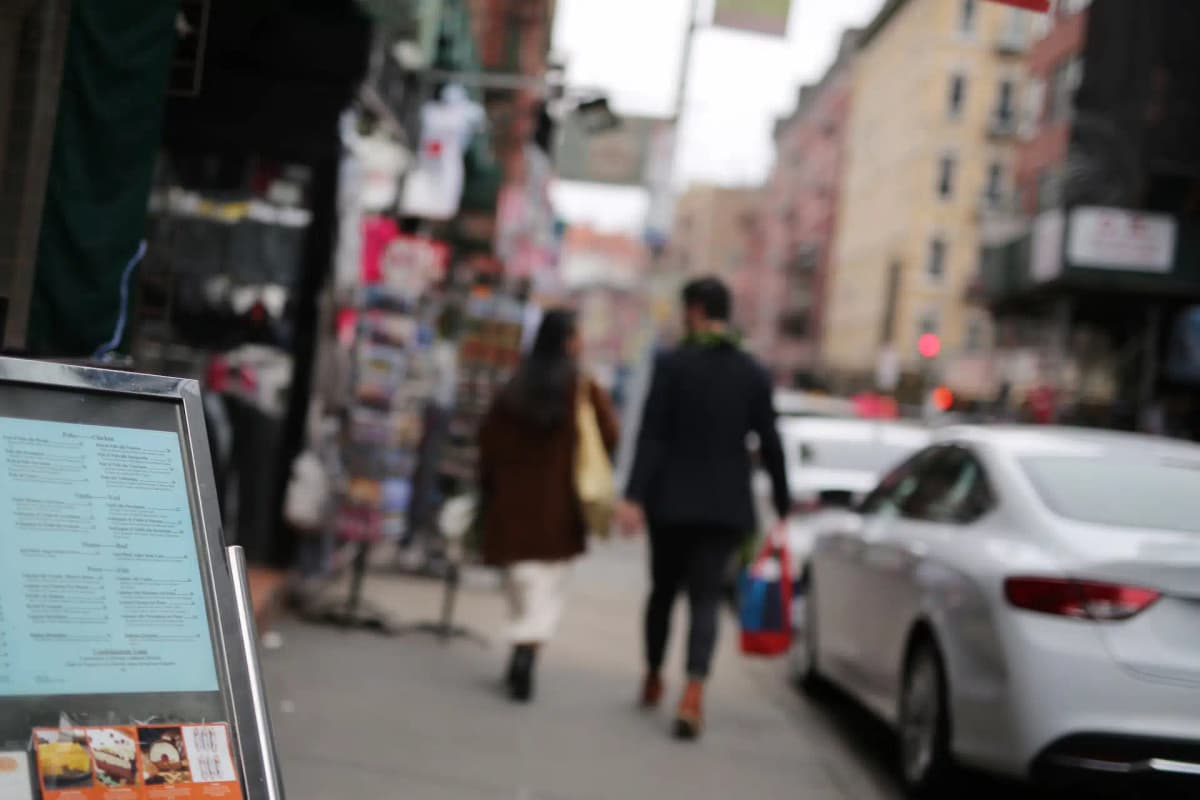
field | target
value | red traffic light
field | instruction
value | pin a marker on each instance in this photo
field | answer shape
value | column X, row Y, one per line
column 942, row 399
column 929, row 345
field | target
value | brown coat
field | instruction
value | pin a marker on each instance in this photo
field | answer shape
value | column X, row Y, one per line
column 531, row 511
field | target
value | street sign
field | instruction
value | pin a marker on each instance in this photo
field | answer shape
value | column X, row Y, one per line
column 618, row 157
column 1032, row 5
column 769, row 17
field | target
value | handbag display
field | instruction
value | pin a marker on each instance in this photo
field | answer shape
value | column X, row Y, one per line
column 594, row 481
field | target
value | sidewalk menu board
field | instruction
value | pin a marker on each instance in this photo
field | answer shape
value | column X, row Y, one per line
column 100, row 586
column 127, row 669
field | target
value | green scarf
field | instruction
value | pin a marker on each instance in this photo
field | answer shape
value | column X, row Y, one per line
column 714, row 338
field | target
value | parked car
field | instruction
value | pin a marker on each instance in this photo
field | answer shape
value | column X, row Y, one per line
column 792, row 403
column 832, row 464
column 1019, row 600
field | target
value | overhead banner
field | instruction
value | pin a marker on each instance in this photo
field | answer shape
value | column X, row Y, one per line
column 618, row 157
column 768, row 17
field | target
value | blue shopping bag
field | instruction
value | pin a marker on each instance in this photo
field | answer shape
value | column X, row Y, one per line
column 765, row 600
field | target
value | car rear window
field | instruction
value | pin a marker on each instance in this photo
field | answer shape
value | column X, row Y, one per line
column 1163, row 495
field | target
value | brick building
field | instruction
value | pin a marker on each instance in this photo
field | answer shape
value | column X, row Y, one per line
column 1099, row 277
column 783, row 291
column 930, row 146
column 714, row 234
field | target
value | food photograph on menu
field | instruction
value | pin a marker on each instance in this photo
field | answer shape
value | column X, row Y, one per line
column 114, row 752
column 64, row 760
column 164, row 756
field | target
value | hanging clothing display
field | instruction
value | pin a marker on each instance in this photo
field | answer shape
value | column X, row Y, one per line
column 433, row 190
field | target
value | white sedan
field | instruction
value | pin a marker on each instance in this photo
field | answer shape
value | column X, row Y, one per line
column 1019, row 600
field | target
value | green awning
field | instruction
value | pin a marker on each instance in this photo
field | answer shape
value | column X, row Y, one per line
column 108, row 136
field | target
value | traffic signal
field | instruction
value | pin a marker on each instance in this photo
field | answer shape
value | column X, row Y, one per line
column 929, row 345
column 942, row 399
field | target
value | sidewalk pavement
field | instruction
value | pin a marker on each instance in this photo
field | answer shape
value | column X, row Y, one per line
column 361, row 716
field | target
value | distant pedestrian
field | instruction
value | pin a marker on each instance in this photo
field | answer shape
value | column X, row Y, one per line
column 691, row 483
column 533, row 520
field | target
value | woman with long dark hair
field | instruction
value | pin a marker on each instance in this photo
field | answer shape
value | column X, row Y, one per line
column 533, row 519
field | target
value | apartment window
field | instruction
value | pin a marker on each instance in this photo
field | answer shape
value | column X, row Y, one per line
column 1016, row 27
column 890, row 299
column 969, row 13
column 994, row 190
column 946, row 170
column 958, row 95
column 930, row 322
column 935, row 267
column 1004, row 101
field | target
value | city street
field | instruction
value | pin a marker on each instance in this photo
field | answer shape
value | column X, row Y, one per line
column 358, row 715
column 363, row 716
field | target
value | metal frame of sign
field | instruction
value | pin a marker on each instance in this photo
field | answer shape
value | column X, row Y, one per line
column 223, row 568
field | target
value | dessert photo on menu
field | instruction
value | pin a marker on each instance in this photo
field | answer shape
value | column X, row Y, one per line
column 164, row 757
column 64, row 760
column 114, row 752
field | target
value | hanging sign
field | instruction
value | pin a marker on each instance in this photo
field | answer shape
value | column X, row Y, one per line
column 768, row 17
column 1032, row 5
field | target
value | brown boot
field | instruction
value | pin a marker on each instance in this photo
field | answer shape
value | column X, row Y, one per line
column 652, row 691
column 689, row 719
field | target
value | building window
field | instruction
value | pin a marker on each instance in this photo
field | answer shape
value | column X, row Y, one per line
column 994, row 192
column 958, row 95
column 968, row 15
column 1016, row 28
column 976, row 336
column 930, row 322
column 1005, row 113
column 935, row 267
column 946, row 169
column 890, row 299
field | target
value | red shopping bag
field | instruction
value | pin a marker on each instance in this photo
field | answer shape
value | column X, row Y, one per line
column 765, row 599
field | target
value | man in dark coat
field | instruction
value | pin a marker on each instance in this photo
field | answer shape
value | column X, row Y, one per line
column 691, row 482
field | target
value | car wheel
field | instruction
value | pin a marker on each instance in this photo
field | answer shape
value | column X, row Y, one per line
column 804, row 649
column 924, row 723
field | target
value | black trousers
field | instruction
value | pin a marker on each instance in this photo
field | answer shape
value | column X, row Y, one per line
column 695, row 559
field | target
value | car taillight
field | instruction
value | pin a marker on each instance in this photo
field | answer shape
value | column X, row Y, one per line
column 1103, row 602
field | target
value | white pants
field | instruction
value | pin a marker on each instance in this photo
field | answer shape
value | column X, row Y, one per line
column 536, row 594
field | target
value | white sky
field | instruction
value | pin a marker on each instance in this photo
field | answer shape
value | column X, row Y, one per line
column 740, row 83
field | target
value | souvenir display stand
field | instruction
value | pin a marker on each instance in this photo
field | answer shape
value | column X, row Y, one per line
column 127, row 644
column 488, row 354
column 392, row 380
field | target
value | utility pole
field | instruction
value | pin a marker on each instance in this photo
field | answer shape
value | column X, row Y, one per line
column 644, row 371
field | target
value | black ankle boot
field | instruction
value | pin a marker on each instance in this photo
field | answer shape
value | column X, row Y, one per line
column 520, row 673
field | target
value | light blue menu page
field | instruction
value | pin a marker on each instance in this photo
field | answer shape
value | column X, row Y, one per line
column 100, row 588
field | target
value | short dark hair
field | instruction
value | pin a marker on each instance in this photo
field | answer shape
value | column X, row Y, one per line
column 711, row 295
